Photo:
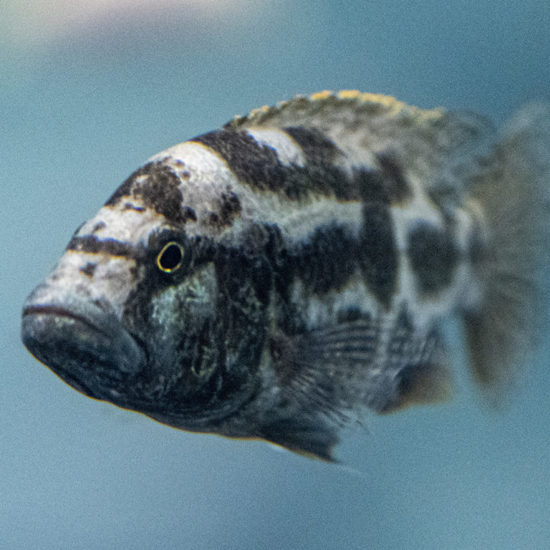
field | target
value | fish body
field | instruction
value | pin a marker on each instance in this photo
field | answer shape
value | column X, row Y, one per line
column 274, row 277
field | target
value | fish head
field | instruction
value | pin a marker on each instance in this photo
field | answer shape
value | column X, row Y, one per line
column 132, row 312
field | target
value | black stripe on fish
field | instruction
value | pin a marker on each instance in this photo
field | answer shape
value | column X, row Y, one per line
column 252, row 163
column 258, row 166
column 327, row 259
column 433, row 256
column 94, row 245
column 321, row 153
column 371, row 185
column 323, row 261
column 318, row 149
column 158, row 187
column 247, row 263
column 395, row 183
column 378, row 253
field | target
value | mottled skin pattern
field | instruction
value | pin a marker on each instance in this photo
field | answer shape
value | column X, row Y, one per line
column 272, row 278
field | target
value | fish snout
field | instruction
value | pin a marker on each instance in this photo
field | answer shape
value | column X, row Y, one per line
column 82, row 341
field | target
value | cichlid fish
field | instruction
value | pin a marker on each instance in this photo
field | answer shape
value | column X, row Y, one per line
column 273, row 278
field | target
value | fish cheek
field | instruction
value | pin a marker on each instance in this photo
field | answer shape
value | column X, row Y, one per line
column 180, row 333
column 188, row 310
column 151, row 283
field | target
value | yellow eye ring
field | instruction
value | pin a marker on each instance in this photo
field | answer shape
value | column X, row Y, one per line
column 170, row 258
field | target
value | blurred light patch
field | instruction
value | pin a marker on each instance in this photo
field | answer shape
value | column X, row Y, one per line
column 37, row 24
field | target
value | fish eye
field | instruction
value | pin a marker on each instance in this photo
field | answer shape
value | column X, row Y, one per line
column 170, row 258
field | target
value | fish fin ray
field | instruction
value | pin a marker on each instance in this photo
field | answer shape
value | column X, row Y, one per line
column 326, row 382
column 421, row 384
column 307, row 437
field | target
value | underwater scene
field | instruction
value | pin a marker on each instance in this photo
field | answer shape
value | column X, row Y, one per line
column 101, row 283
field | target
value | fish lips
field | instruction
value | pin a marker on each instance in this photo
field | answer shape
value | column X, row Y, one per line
column 84, row 344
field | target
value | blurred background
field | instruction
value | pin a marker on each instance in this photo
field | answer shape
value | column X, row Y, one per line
column 88, row 91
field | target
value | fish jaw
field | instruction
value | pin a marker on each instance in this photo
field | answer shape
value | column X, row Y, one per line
column 83, row 343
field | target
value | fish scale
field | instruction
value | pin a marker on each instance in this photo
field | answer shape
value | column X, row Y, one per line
column 273, row 278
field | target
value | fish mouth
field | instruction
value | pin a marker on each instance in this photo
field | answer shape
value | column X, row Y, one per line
column 60, row 312
column 86, row 345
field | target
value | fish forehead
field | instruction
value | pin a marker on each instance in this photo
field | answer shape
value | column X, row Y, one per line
column 203, row 175
column 122, row 224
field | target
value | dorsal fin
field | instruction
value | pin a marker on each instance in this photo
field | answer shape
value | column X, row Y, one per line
column 433, row 144
column 349, row 105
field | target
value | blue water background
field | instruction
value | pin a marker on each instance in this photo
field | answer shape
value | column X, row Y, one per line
column 77, row 116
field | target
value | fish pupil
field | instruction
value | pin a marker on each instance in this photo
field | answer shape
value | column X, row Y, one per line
column 170, row 257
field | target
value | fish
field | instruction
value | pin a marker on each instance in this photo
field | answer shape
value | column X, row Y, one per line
column 282, row 276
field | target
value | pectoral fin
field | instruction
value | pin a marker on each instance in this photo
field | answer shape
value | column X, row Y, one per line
column 311, row 438
column 421, row 384
column 326, row 376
